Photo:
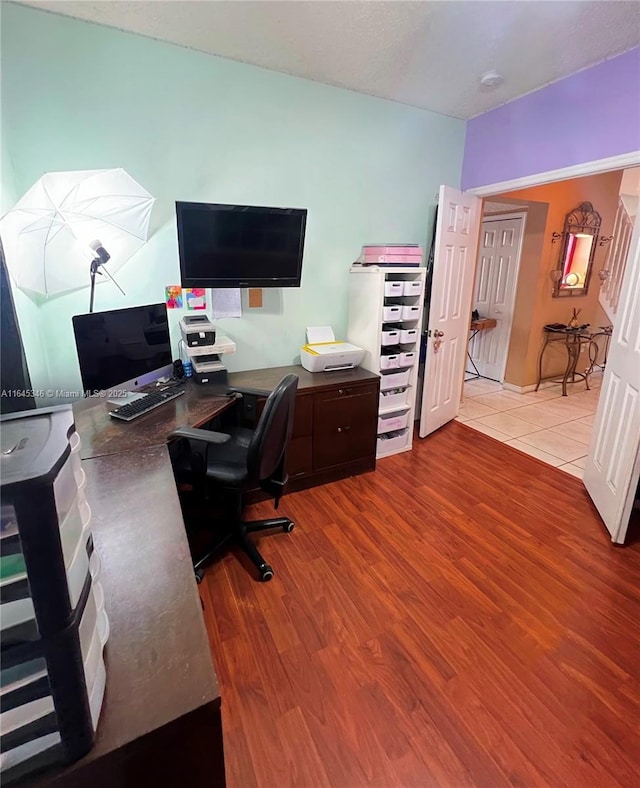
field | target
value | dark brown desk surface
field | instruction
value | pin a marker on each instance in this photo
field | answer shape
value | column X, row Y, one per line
column 159, row 667
column 102, row 435
column 160, row 678
column 267, row 379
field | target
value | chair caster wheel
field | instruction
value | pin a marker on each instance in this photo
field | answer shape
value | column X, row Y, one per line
column 288, row 528
column 266, row 573
column 199, row 576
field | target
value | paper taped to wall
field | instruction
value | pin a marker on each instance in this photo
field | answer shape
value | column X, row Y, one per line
column 225, row 302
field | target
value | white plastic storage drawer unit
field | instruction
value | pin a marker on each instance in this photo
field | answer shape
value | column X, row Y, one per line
column 412, row 288
column 406, row 359
column 392, row 441
column 391, row 313
column 394, row 398
column 394, row 380
column 410, row 312
column 390, row 361
column 392, row 289
column 391, row 336
column 408, row 335
column 392, row 421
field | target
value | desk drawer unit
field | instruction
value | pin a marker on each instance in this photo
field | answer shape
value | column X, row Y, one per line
column 345, row 423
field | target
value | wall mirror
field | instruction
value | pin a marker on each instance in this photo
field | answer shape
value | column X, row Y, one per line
column 579, row 239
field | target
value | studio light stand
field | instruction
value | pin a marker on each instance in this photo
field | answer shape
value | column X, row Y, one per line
column 102, row 257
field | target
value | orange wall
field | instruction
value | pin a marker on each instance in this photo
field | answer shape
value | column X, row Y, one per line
column 535, row 306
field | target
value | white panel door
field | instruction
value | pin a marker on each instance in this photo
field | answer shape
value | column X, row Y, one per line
column 450, row 306
column 495, row 293
column 613, row 464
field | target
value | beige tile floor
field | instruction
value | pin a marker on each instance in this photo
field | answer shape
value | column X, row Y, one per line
column 544, row 424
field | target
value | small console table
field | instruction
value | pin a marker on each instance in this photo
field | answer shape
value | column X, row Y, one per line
column 482, row 324
column 574, row 339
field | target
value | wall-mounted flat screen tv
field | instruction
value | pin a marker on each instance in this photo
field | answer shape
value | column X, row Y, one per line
column 240, row 245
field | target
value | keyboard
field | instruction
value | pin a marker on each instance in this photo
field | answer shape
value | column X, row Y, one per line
column 150, row 401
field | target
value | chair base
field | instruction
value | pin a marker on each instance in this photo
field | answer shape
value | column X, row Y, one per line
column 239, row 534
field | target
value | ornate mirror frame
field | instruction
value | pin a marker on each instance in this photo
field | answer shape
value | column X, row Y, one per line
column 579, row 237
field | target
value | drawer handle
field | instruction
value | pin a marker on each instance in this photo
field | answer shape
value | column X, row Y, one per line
column 343, row 429
column 343, row 391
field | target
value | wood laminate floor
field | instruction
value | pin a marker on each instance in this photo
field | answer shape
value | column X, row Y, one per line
column 458, row 617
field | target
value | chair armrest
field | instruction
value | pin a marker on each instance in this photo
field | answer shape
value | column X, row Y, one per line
column 255, row 392
column 206, row 436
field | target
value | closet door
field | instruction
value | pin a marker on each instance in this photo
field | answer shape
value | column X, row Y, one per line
column 495, row 291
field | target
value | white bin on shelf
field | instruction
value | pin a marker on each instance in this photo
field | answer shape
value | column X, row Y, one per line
column 410, row 312
column 394, row 380
column 392, row 441
column 393, row 398
column 390, row 361
column 392, row 422
column 392, row 289
column 412, row 288
column 391, row 336
column 406, row 359
column 390, row 313
column 408, row 335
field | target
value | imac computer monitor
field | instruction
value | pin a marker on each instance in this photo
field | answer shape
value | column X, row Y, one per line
column 123, row 348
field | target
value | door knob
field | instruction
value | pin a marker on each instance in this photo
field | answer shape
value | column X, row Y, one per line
column 438, row 333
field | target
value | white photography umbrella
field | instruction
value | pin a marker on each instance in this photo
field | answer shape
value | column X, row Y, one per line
column 47, row 235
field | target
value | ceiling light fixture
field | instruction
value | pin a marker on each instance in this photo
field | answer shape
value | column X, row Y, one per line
column 491, row 80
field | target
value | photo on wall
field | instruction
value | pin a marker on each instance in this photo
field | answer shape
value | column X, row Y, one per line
column 173, row 296
column 196, row 297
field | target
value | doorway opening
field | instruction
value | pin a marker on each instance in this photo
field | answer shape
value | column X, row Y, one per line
column 522, row 402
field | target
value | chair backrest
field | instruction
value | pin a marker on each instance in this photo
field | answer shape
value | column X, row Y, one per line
column 269, row 442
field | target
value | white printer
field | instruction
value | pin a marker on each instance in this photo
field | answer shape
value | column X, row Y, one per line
column 323, row 354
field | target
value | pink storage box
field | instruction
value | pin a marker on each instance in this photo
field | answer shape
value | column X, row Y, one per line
column 393, row 249
column 407, row 259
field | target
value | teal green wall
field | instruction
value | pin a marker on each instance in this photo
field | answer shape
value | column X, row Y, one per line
column 190, row 126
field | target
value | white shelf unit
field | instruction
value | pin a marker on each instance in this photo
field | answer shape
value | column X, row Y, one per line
column 385, row 318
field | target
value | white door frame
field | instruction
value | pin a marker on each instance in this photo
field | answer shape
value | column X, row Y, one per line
column 497, row 218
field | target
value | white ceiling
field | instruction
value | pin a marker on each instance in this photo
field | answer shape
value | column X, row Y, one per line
column 428, row 54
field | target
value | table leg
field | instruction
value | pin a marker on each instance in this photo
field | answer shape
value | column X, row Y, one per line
column 540, row 355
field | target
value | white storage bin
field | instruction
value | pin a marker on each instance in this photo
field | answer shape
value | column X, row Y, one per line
column 71, row 532
column 407, row 359
column 391, row 337
column 412, row 288
column 65, row 489
column 395, row 380
column 77, row 573
column 392, row 421
column 74, row 442
column 390, row 313
column 408, row 335
column 97, row 694
column 392, row 289
column 390, row 362
column 410, row 312
column 392, row 441
column 393, row 398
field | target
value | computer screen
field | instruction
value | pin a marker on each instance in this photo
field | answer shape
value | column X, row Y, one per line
column 240, row 245
column 123, row 347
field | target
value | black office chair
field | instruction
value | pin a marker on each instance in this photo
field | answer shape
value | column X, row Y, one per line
column 238, row 461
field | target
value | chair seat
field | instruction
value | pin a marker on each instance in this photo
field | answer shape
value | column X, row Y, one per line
column 227, row 462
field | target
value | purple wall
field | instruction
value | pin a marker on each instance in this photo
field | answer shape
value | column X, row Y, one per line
column 591, row 115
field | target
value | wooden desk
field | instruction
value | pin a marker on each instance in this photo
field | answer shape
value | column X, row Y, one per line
column 160, row 722
column 102, row 435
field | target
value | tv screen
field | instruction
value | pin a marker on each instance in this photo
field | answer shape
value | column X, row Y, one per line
column 240, row 245
column 122, row 345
